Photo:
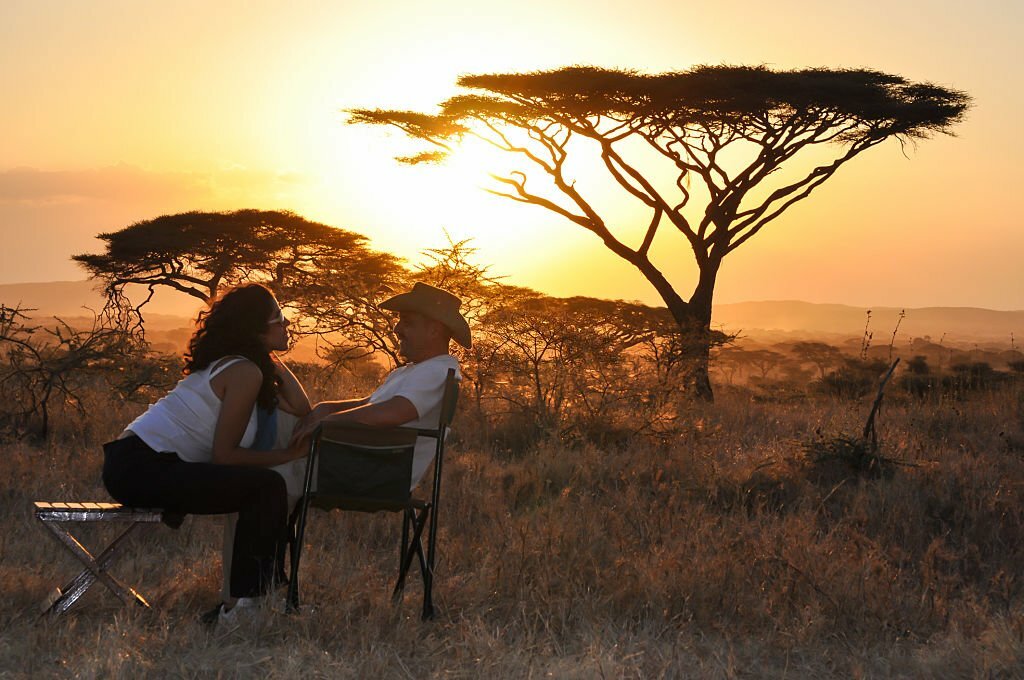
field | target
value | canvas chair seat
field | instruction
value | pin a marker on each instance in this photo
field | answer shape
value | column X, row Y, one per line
column 369, row 469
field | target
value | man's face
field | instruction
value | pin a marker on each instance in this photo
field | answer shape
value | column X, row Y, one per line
column 417, row 335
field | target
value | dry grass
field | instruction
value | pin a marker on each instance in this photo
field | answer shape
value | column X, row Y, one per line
column 728, row 553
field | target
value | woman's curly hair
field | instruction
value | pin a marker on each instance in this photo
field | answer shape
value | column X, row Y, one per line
column 231, row 327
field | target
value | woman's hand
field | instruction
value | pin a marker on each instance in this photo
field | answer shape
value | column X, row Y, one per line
column 298, row 448
column 308, row 423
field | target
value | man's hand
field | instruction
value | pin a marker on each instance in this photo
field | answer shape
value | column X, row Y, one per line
column 394, row 411
column 308, row 423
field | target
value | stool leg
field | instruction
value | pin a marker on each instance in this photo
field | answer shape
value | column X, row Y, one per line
column 95, row 570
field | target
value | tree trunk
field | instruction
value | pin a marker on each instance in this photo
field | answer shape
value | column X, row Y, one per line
column 694, row 321
column 693, row 318
column 700, row 338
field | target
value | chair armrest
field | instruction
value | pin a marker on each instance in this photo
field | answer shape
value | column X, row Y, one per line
column 359, row 434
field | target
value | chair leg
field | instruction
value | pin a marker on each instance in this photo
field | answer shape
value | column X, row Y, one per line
column 407, row 519
column 428, row 600
column 427, row 572
column 404, row 558
column 302, row 508
column 414, row 547
column 292, row 603
column 428, row 587
column 291, row 541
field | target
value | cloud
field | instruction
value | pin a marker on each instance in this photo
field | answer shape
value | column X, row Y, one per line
column 128, row 184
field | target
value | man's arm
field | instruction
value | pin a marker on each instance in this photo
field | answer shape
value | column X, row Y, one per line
column 394, row 411
column 327, row 408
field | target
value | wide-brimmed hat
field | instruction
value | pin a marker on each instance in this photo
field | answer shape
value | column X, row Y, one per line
column 437, row 304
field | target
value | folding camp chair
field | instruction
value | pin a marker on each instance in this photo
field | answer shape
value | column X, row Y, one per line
column 369, row 469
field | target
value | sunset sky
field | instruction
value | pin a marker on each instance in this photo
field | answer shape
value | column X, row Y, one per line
column 118, row 111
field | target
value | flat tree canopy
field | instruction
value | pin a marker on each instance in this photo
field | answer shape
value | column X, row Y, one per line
column 329, row 275
column 198, row 252
column 725, row 129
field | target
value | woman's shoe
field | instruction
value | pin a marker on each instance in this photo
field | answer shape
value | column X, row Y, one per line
column 244, row 610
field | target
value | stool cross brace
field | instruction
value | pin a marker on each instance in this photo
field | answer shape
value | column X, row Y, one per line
column 55, row 515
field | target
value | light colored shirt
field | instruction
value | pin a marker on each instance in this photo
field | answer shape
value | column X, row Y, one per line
column 184, row 420
column 423, row 385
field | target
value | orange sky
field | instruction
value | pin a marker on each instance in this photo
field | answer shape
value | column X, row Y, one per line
column 121, row 111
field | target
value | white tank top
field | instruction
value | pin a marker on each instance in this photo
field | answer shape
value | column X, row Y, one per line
column 184, row 420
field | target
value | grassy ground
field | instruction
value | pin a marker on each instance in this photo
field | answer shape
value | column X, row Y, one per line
column 740, row 549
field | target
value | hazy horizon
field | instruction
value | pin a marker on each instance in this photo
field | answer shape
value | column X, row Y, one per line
column 755, row 321
column 163, row 293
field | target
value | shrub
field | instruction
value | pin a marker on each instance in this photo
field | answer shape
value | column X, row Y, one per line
column 854, row 379
column 972, row 377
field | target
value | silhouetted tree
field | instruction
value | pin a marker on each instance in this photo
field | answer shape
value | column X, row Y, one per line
column 822, row 355
column 197, row 253
column 975, row 375
column 729, row 128
column 329, row 275
column 728, row 360
column 46, row 366
column 371, row 328
column 764, row 360
column 854, row 378
column 918, row 379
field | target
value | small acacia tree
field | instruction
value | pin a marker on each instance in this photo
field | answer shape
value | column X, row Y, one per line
column 329, row 275
column 198, row 252
column 720, row 132
column 821, row 354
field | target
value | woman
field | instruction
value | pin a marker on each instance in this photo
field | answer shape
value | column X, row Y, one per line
column 190, row 453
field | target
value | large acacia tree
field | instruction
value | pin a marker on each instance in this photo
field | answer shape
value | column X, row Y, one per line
column 719, row 134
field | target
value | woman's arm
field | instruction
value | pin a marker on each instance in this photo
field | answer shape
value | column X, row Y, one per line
column 238, row 386
column 291, row 395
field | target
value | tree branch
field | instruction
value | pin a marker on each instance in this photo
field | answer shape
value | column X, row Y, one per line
column 765, row 213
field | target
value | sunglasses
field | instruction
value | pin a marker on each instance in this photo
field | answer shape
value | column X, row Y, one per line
column 278, row 318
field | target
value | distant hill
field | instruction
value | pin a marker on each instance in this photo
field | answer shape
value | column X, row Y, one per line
column 957, row 324
column 172, row 310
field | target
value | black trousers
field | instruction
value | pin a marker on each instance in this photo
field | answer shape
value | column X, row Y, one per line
column 136, row 475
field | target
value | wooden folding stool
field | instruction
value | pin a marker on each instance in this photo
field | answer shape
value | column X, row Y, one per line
column 55, row 516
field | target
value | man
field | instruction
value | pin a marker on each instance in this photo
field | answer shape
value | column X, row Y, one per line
column 428, row 320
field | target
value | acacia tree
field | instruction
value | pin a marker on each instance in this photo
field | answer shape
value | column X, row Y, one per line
column 366, row 327
column 198, row 252
column 822, row 355
column 329, row 275
column 719, row 134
